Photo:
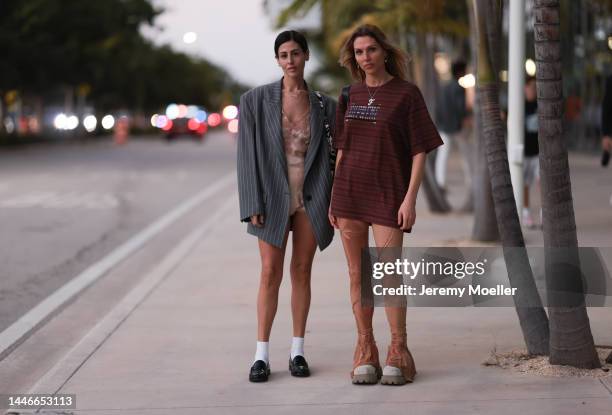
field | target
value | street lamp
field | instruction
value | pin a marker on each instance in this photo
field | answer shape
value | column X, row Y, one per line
column 72, row 122
column 108, row 122
column 530, row 67
column 60, row 121
column 90, row 123
column 190, row 37
column 467, row 81
column 230, row 112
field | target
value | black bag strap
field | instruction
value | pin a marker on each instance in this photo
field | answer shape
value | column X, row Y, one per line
column 345, row 94
column 328, row 134
column 325, row 120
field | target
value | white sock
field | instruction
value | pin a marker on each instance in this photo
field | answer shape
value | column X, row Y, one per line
column 297, row 347
column 262, row 352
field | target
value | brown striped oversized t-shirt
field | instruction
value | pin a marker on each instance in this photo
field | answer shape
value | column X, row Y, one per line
column 372, row 178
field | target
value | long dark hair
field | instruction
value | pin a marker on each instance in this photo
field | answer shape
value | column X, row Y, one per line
column 397, row 60
column 287, row 36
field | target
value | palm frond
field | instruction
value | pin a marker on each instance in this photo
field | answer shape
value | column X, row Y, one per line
column 299, row 8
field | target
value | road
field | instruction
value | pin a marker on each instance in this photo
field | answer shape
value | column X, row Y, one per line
column 65, row 206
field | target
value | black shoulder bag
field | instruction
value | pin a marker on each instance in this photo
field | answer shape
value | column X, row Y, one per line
column 332, row 150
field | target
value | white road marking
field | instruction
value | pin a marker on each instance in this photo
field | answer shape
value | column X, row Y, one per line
column 136, row 175
column 69, row 200
column 12, row 335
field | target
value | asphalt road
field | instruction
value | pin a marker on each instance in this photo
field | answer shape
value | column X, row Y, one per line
column 65, row 206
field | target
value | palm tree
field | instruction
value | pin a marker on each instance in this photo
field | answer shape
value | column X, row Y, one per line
column 571, row 340
column 531, row 314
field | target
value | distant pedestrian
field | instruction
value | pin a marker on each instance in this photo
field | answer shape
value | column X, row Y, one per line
column 451, row 116
column 284, row 183
column 606, row 124
column 383, row 134
column 531, row 149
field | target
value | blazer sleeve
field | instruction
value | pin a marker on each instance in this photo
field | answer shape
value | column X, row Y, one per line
column 249, row 187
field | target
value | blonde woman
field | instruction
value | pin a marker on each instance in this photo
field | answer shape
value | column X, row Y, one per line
column 383, row 132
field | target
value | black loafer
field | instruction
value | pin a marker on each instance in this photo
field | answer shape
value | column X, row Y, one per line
column 259, row 371
column 298, row 367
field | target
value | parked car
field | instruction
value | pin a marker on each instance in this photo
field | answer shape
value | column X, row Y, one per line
column 186, row 127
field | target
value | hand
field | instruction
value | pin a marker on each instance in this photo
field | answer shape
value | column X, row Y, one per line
column 333, row 220
column 258, row 220
column 406, row 215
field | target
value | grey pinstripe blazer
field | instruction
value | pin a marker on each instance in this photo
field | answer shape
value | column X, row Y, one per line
column 263, row 186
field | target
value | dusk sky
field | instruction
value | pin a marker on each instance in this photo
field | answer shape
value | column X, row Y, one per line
column 235, row 34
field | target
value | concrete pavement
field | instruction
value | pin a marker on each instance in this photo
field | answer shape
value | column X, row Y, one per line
column 182, row 340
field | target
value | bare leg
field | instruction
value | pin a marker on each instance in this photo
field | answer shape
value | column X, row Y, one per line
column 272, row 260
column 386, row 237
column 304, row 248
column 354, row 235
column 398, row 355
column 355, row 238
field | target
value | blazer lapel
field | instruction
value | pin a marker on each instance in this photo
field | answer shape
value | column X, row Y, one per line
column 316, row 131
column 273, row 121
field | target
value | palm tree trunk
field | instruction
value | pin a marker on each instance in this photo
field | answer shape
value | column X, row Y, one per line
column 485, row 223
column 571, row 340
column 531, row 314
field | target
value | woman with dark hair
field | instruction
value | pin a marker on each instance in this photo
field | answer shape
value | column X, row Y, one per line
column 284, row 183
column 383, row 132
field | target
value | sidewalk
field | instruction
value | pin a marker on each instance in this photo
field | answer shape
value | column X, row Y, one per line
column 183, row 340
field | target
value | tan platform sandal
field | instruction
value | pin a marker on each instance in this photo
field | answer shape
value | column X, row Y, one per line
column 366, row 364
column 399, row 366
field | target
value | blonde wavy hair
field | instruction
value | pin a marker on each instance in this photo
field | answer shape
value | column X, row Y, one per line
column 397, row 60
